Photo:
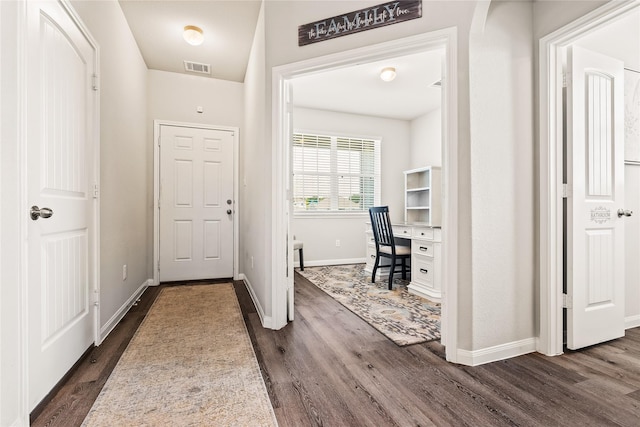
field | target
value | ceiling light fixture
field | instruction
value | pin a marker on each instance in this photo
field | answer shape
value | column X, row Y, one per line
column 387, row 74
column 193, row 35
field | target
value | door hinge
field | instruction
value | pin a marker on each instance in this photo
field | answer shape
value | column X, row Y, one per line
column 158, row 265
column 96, row 191
column 567, row 301
column 94, row 82
column 565, row 80
column 565, row 191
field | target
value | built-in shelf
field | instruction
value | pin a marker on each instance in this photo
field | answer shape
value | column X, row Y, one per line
column 422, row 196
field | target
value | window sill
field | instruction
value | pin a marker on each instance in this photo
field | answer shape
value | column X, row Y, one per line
column 330, row 215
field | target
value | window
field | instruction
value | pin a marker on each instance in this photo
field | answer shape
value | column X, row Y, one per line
column 335, row 173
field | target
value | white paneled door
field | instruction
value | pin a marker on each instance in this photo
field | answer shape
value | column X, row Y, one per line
column 61, row 231
column 196, row 203
column 595, row 208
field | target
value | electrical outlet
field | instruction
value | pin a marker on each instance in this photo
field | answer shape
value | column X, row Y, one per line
column 124, row 272
column 337, row 243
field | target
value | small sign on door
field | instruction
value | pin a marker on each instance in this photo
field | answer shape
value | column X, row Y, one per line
column 600, row 215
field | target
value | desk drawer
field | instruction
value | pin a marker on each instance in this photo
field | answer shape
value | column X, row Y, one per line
column 422, row 233
column 422, row 271
column 371, row 254
column 422, row 247
column 402, row 231
column 369, row 238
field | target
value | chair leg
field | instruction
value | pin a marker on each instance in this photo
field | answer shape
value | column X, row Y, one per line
column 301, row 261
column 375, row 268
column 404, row 269
column 391, row 270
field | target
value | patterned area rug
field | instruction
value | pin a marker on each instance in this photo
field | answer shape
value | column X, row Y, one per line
column 402, row 317
column 190, row 363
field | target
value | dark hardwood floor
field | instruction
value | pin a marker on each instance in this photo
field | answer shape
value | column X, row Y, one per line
column 329, row 368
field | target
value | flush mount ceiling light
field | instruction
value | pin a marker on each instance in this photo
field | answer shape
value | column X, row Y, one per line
column 387, row 74
column 193, row 35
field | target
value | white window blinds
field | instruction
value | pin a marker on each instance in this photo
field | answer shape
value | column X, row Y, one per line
column 335, row 173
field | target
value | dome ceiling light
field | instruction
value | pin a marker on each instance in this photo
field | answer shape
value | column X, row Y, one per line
column 193, row 35
column 387, row 74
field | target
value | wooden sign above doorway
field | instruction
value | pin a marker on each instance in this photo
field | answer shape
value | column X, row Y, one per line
column 361, row 20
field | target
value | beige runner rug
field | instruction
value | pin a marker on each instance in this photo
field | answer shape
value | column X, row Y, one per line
column 190, row 363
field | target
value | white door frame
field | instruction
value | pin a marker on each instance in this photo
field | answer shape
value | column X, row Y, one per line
column 156, row 189
column 551, row 161
column 446, row 38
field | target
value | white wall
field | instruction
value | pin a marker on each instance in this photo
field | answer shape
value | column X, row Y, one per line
column 320, row 233
column 12, row 410
column 549, row 16
column 620, row 40
column 502, row 176
column 632, row 245
column 125, row 157
column 426, row 140
column 255, row 192
column 175, row 97
column 282, row 19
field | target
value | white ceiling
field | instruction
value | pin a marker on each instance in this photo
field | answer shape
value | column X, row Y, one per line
column 360, row 90
column 229, row 28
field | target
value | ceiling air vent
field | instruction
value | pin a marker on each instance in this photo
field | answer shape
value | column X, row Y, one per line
column 196, row 67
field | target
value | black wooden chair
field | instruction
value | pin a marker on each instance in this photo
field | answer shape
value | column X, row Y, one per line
column 385, row 244
column 299, row 246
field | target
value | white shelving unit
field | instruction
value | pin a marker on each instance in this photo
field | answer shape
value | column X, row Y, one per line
column 422, row 196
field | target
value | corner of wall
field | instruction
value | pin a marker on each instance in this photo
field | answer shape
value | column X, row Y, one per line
column 266, row 321
column 106, row 329
column 496, row 353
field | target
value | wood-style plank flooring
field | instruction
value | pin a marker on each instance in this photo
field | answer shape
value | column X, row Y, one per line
column 330, row 368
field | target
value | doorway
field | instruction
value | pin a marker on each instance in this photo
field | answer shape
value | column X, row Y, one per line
column 195, row 201
column 282, row 278
column 552, row 158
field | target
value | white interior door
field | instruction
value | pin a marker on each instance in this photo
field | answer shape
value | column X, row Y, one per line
column 60, row 177
column 196, row 203
column 595, row 231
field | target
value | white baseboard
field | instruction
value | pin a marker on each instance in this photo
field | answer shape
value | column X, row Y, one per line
column 495, row 353
column 18, row 422
column 632, row 321
column 265, row 320
column 324, row 262
column 118, row 315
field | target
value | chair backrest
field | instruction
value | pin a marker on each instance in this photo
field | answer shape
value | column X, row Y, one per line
column 381, row 225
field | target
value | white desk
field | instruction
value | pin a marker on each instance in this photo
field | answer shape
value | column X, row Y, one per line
column 426, row 242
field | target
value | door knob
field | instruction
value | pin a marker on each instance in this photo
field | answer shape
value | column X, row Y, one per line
column 228, row 211
column 228, row 201
column 624, row 212
column 37, row 212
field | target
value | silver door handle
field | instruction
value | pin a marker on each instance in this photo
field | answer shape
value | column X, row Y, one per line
column 624, row 212
column 228, row 211
column 37, row 212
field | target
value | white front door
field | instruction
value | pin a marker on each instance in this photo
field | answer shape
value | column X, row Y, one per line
column 196, row 203
column 595, row 171
column 60, row 181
